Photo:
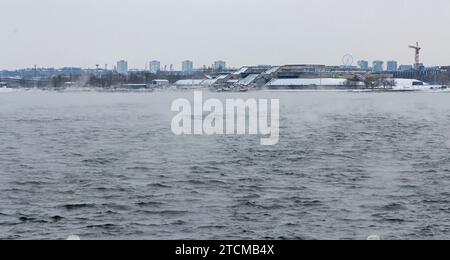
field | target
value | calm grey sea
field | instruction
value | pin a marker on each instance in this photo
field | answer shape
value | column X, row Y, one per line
column 107, row 166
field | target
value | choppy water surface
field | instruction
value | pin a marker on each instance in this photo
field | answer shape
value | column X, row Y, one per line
column 107, row 166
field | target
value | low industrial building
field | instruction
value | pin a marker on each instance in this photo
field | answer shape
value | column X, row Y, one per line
column 304, row 76
column 160, row 83
column 313, row 83
column 193, row 83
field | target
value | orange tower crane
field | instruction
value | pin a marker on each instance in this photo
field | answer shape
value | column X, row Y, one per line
column 417, row 57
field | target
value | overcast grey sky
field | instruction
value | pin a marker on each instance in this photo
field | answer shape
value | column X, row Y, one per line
column 56, row 33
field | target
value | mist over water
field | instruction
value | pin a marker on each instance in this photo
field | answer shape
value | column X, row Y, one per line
column 107, row 166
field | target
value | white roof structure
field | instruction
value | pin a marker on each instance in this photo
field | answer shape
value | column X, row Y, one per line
column 232, row 81
column 189, row 82
column 413, row 85
column 248, row 80
column 208, row 82
column 160, row 80
column 195, row 82
column 242, row 70
column 221, row 77
column 308, row 82
column 271, row 70
column 213, row 81
column 408, row 82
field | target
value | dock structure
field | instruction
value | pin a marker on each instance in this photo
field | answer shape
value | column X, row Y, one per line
column 300, row 76
column 23, row 82
column 248, row 77
column 313, row 83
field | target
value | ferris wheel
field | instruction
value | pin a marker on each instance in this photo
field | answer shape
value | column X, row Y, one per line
column 347, row 60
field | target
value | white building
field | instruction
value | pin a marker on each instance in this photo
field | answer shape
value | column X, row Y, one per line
column 187, row 66
column 363, row 64
column 160, row 82
column 122, row 67
column 392, row 65
column 155, row 66
column 193, row 83
column 315, row 83
column 220, row 65
column 415, row 85
column 378, row 66
column 248, row 81
column 405, row 67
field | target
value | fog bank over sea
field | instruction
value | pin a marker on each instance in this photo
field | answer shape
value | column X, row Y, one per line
column 107, row 166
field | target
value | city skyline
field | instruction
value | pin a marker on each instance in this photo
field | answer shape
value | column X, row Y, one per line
column 155, row 66
column 83, row 33
column 222, row 64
